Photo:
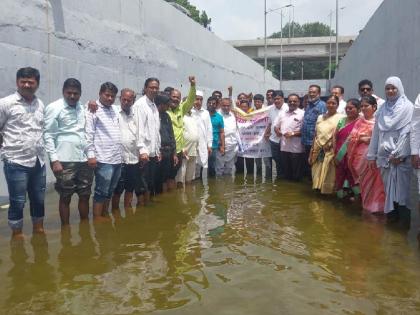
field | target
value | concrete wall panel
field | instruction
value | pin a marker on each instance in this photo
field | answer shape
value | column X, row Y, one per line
column 387, row 46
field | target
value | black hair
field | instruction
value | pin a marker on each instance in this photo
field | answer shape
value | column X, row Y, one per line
column 242, row 93
column 72, row 83
column 216, row 92
column 365, row 82
column 316, row 86
column 109, row 86
column 211, row 98
column 335, row 98
column 355, row 102
column 293, row 94
column 269, row 91
column 278, row 93
column 338, row 87
column 161, row 98
column 244, row 101
column 28, row 72
column 258, row 97
column 168, row 89
column 149, row 80
column 370, row 100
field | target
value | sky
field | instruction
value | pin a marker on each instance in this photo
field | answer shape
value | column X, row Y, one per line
column 244, row 19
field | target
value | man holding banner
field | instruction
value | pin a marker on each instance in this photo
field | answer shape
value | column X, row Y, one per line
column 251, row 127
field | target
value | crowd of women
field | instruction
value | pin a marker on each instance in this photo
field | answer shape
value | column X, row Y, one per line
column 371, row 152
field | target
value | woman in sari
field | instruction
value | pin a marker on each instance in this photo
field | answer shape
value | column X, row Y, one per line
column 321, row 157
column 345, row 184
column 389, row 148
column 369, row 180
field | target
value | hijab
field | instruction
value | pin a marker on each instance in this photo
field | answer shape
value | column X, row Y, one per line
column 397, row 111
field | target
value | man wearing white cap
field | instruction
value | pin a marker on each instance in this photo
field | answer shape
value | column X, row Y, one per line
column 205, row 131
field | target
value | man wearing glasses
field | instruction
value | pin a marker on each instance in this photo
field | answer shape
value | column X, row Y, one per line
column 366, row 89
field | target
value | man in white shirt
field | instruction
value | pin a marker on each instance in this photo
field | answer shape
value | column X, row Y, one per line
column 148, row 133
column 22, row 151
column 275, row 111
column 131, row 179
column 366, row 89
column 205, row 130
column 225, row 162
column 288, row 128
column 190, row 150
column 338, row 91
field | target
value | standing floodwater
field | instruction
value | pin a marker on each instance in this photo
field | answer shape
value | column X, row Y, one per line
column 225, row 248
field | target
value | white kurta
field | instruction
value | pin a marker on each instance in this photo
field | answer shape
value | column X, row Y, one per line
column 205, row 135
column 225, row 163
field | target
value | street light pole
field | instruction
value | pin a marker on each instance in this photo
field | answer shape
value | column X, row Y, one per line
column 281, row 37
column 336, row 35
column 330, row 56
column 265, row 38
column 281, row 49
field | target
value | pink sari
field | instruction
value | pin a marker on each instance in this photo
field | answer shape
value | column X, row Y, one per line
column 370, row 181
column 343, row 176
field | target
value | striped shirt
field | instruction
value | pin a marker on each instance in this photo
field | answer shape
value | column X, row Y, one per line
column 21, row 127
column 103, row 135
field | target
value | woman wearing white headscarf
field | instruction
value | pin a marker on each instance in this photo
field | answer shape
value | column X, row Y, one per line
column 390, row 147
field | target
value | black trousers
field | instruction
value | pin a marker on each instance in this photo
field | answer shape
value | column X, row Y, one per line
column 307, row 171
column 293, row 165
column 275, row 153
column 150, row 174
column 249, row 164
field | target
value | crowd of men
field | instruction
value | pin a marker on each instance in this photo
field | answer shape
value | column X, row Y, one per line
column 146, row 146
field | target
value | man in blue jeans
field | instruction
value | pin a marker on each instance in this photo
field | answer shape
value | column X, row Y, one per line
column 104, row 150
column 22, row 151
column 218, row 134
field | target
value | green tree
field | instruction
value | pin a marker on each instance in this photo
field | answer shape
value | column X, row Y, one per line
column 312, row 69
column 313, row 29
column 200, row 18
column 204, row 19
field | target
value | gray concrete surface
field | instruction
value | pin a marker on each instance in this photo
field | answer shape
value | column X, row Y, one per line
column 299, row 48
column 388, row 45
column 120, row 41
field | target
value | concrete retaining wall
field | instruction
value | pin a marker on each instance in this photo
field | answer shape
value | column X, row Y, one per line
column 387, row 46
column 122, row 41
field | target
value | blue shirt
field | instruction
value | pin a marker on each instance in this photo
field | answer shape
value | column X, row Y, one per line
column 64, row 132
column 312, row 111
column 217, row 124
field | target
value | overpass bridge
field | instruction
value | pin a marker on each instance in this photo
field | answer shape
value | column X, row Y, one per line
column 294, row 49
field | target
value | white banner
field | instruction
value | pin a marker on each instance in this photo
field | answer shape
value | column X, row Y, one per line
column 252, row 127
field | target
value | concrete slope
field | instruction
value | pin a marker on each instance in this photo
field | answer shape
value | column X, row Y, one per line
column 123, row 41
column 388, row 45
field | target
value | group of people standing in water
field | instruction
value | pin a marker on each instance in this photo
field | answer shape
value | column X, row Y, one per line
column 363, row 149
column 371, row 152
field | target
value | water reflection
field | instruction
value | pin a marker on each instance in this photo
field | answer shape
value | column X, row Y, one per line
column 31, row 278
column 209, row 248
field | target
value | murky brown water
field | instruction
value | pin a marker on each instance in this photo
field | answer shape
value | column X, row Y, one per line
column 229, row 248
